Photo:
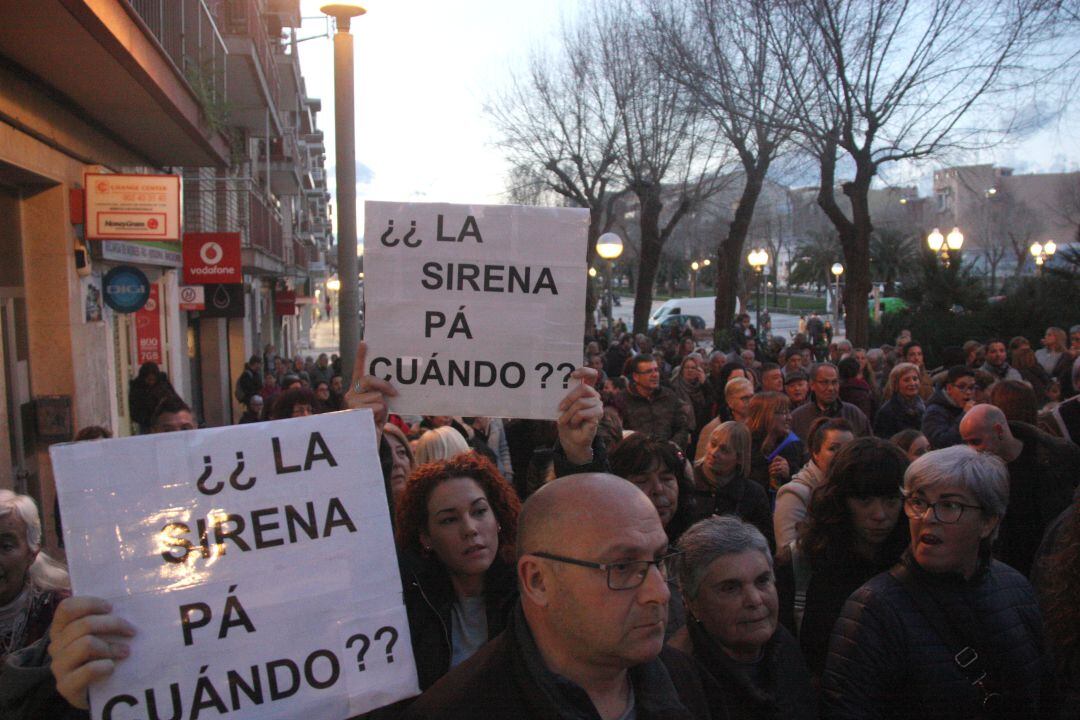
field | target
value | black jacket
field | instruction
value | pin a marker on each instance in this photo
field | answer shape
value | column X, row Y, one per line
column 429, row 597
column 784, row 691
column 886, row 661
column 895, row 415
column 793, row 452
column 507, row 679
column 941, row 421
column 1041, row 485
column 741, row 496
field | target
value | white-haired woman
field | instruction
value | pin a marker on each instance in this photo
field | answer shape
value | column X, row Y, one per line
column 948, row 632
column 725, row 573
column 31, row 583
column 442, row 443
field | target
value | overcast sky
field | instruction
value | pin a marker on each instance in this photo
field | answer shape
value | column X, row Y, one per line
column 424, row 69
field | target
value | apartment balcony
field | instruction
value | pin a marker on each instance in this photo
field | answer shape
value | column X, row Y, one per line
column 149, row 72
column 285, row 171
column 252, row 72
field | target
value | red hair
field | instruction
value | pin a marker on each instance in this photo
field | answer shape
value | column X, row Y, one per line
column 412, row 508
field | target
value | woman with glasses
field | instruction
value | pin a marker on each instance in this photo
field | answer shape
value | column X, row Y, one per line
column 725, row 574
column 776, row 453
column 854, row 530
column 456, row 522
column 948, row 632
column 904, row 407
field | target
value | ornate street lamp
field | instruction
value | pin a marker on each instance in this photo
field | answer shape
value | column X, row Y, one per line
column 941, row 245
column 1042, row 253
column 837, row 270
column 758, row 259
column 609, row 246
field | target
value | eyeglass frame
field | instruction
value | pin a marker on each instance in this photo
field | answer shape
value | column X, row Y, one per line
column 933, row 506
column 607, row 567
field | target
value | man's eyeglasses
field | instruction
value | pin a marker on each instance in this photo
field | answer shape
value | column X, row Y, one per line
column 946, row 511
column 965, row 387
column 620, row 575
column 647, row 371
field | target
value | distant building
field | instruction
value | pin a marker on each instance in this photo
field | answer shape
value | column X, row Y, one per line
column 1002, row 214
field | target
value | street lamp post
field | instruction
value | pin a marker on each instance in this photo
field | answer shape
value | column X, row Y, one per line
column 837, row 271
column 694, row 267
column 941, row 245
column 758, row 259
column 1042, row 252
column 345, row 156
column 609, row 246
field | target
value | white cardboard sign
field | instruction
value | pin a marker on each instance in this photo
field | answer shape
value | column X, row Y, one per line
column 475, row 309
column 256, row 562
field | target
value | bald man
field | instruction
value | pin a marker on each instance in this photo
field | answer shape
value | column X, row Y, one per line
column 588, row 637
column 1043, row 471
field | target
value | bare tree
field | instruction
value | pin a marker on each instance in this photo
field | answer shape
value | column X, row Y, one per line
column 718, row 50
column 551, row 133
column 668, row 158
column 895, row 80
column 1017, row 225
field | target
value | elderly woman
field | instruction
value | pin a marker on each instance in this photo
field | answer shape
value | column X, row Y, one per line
column 31, row 583
column 904, row 407
column 725, row 573
column 402, row 461
column 722, row 484
column 688, row 382
column 442, row 443
column 948, row 632
column 455, row 530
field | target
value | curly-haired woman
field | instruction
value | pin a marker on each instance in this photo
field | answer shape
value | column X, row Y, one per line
column 456, row 523
column 854, row 531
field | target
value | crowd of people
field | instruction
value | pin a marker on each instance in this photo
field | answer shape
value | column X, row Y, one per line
column 772, row 530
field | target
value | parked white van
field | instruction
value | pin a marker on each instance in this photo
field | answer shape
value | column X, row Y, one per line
column 704, row 307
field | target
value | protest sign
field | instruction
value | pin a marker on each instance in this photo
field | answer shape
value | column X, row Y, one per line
column 256, row 562
column 475, row 309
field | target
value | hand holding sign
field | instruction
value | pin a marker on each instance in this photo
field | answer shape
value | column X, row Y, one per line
column 579, row 419
column 367, row 391
column 84, row 645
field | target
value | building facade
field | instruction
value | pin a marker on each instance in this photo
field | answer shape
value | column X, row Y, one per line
column 209, row 91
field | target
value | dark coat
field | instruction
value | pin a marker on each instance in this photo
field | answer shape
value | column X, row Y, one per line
column 741, row 497
column 785, row 692
column 1042, row 481
column 830, row 586
column 896, row 415
column 429, row 598
column 804, row 416
column 857, row 392
column 660, row 416
column 28, row 688
column 941, row 421
column 886, row 661
column 506, row 679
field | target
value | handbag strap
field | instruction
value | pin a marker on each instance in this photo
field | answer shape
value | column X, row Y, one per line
column 970, row 662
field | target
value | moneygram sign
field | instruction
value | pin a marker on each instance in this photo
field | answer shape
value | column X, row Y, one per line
column 212, row 258
column 132, row 207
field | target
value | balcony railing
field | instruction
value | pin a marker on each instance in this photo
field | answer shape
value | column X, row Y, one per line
column 235, row 205
column 242, row 17
column 186, row 31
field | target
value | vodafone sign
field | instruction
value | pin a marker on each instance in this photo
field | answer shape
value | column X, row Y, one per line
column 212, row 258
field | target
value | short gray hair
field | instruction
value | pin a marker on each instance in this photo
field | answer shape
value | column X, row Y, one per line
column 734, row 384
column 710, row 539
column 816, row 368
column 984, row 475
